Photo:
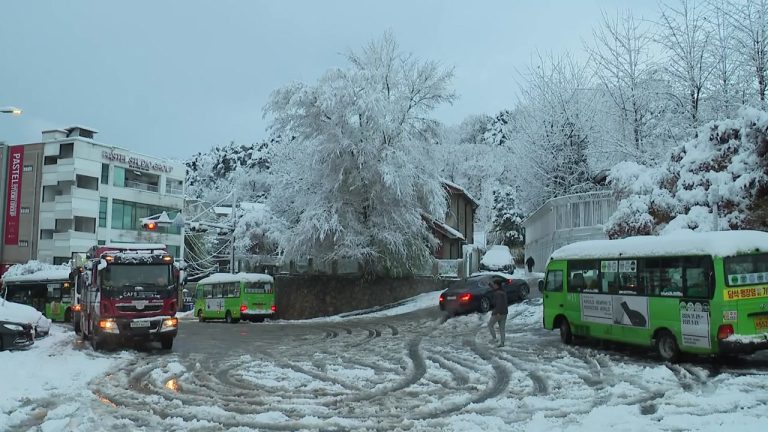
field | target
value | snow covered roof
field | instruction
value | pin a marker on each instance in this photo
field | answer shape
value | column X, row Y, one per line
column 134, row 246
column 458, row 188
column 239, row 277
column 677, row 243
column 36, row 271
column 444, row 228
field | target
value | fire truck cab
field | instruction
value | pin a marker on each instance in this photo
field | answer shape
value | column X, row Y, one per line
column 129, row 293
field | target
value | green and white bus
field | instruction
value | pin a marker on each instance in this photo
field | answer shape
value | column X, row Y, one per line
column 232, row 297
column 48, row 291
column 699, row 293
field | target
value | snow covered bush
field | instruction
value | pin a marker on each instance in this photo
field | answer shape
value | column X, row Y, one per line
column 507, row 223
column 359, row 178
column 723, row 168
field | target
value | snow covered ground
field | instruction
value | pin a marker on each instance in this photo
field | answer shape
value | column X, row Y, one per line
column 400, row 368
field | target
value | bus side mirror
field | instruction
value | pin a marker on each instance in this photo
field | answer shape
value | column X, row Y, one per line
column 541, row 285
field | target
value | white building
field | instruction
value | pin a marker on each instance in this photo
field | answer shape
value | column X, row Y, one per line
column 565, row 220
column 92, row 193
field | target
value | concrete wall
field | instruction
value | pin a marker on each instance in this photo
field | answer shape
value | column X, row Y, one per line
column 306, row 296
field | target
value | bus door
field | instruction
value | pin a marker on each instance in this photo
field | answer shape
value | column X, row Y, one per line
column 554, row 292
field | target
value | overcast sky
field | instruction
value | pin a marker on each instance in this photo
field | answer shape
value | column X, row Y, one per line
column 172, row 78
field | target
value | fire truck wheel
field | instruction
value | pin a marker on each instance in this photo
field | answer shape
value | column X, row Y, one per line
column 167, row 343
column 96, row 343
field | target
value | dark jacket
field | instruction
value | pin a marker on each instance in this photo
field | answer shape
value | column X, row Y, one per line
column 500, row 306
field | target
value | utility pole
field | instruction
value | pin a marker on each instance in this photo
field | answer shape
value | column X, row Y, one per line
column 232, row 234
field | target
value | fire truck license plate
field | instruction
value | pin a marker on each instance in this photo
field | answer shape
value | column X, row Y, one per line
column 139, row 323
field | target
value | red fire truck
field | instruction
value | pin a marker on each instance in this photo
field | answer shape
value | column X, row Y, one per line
column 129, row 293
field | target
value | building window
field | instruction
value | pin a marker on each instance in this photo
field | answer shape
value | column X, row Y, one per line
column 86, row 182
column 60, row 260
column 118, row 178
column 174, row 187
column 84, row 224
column 101, row 242
column 24, row 210
column 105, row 174
column 28, row 168
column 103, row 212
column 23, row 243
column 126, row 215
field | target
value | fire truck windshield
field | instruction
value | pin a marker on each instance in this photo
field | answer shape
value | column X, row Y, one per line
column 137, row 280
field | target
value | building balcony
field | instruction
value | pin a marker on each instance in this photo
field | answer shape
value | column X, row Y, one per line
column 130, row 184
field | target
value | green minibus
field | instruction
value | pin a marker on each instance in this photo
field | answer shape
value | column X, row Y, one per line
column 232, row 297
column 698, row 293
column 48, row 291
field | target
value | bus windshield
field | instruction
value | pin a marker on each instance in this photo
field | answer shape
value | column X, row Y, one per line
column 746, row 270
column 137, row 280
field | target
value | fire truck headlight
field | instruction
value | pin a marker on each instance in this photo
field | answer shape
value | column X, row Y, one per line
column 108, row 325
column 170, row 323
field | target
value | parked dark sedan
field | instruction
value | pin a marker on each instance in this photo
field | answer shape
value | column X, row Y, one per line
column 15, row 335
column 474, row 293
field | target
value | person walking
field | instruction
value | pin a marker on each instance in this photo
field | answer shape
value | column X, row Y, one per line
column 530, row 263
column 499, row 312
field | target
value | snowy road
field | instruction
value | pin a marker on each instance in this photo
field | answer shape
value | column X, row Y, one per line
column 412, row 371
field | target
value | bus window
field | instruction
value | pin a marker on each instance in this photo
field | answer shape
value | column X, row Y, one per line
column 199, row 292
column 554, row 281
column 217, row 290
column 746, row 270
column 696, row 277
column 208, row 291
column 670, row 277
column 583, row 276
column 628, row 281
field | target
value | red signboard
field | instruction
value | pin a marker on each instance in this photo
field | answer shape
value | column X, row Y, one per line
column 13, row 198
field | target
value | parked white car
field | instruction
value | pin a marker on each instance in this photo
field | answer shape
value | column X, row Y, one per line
column 498, row 258
column 15, row 312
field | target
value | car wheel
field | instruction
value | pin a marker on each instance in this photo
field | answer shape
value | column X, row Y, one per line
column 228, row 317
column 485, row 304
column 524, row 292
column 666, row 345
column 565, row 332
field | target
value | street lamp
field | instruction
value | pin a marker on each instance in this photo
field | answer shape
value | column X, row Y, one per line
column 11, row 110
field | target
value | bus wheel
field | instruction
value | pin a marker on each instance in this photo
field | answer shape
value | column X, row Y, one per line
column 200, row 317
column 565, row 332
column 228, row 317
column 667, row 346
column 167, row 343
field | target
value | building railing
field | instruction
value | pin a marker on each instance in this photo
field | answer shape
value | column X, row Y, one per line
column 174, row 191
column 141, row 186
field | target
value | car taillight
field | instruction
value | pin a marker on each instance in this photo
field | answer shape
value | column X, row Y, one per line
column 724, row 331
column 509, row 281
column 442, row 298
column 465, row 297
column 243, row 308
column 274, row 308
column 77, row 307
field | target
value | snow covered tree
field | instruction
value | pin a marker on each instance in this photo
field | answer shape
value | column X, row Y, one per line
column 555, row 133
column 722, row 170
column 750, row 20
column 507, row 223
column 685, row 36
column 628, row 88
column 360, row 177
